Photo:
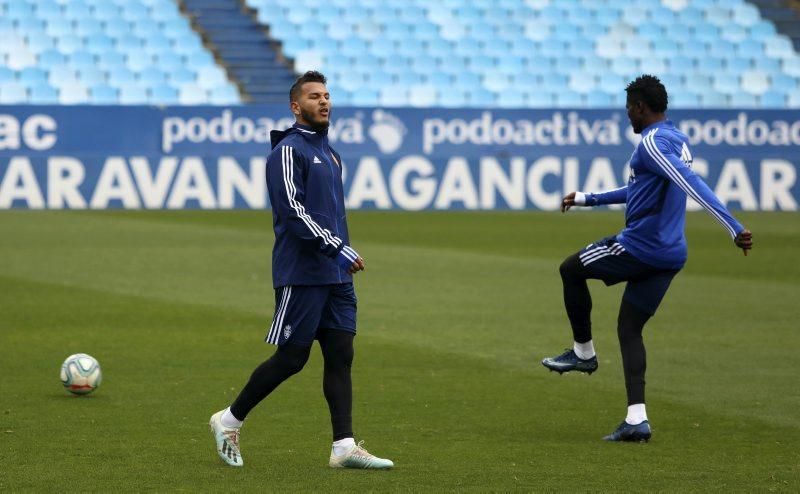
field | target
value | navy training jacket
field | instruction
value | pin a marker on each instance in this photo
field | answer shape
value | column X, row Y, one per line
column 304, row 181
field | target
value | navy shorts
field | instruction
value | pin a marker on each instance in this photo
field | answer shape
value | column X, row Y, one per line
column 607, row 260
column 302, row 311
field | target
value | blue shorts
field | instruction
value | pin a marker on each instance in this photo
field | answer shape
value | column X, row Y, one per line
column 607, row 260
column 302, row 311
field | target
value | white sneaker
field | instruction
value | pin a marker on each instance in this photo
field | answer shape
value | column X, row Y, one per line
column 358, row 457
column 227, row 439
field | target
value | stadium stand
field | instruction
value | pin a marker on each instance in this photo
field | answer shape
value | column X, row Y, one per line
column 453, row 53
column 240, row 41
column 711, row 53
column 105, row 52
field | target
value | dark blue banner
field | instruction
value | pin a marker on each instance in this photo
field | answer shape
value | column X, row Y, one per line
column 214, row 157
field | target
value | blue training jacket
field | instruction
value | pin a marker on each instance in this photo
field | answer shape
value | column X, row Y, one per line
column 304, row 181
column 660, row 180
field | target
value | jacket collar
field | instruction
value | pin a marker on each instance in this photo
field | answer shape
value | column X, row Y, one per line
column 661, row 123
column 315, row 136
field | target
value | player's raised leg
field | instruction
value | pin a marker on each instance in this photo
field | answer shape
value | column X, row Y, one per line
column 578, row 303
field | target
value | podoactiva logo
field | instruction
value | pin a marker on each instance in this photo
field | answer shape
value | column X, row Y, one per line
column 387, row 131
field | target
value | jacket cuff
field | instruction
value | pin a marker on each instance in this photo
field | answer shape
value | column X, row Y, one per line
column 346, row 257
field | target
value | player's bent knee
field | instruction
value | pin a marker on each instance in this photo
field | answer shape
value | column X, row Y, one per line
column 293, row 358
column 571, row 267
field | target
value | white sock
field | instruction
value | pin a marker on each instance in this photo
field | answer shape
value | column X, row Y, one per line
column 636, row 414
column 228, row 420
column 342, row 446
column 584, row 351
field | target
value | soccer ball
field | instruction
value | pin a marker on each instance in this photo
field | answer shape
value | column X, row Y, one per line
column 80, row 374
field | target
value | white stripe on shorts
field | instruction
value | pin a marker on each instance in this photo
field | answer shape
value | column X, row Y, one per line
column 591, row 256
column 275, row 330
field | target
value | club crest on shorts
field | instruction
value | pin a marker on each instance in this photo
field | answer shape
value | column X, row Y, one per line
column 287, row 331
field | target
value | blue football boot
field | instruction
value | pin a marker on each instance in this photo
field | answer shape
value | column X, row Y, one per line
column 569, row 361
column 627, row 432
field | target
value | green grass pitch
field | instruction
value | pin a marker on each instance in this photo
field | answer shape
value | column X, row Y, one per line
column 455, row 312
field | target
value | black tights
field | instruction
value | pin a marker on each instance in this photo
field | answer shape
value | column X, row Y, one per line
column 337, row 352
column 630, row 325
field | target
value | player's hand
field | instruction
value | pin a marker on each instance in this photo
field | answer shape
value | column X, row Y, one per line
column 744, row 241
column 567, row 202
column 358, row 265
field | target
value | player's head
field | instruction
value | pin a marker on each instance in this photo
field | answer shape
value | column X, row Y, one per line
column 310, row 100
column 646, row 102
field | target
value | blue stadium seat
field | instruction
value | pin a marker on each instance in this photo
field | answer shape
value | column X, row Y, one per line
column 224, row 95
column 713, row 99
column 30, row 76
column 773, row 99
column 681, row 65
column 131, row 94
column 453, row 98
column 407, row 79
column 422, row 95
column 511, row 99
column 726, row 83
column 599, row 99
column 393, row 96
column 569, row 99
column 750, row 48
column 91, row 76
column 163, row 94
column 671, row 81
column 784, row 83
column 684, row 100
column 43, row 94
column 769, row 65
column 121, row 75
column 755, row 81
column 379, row 78
column 365, row 97
column 480, row 98
column 152, row 77
column 103, row 94
column 741, row 99
column 467, row 81
column 791, row 66
column 13, row 92
column 192, row 94
column 541, row 99
column 73, row 93
column 762, row 30
column 736, row 65
column 467, row 47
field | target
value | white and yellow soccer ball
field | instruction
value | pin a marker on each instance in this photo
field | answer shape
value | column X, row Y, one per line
column 81, row 374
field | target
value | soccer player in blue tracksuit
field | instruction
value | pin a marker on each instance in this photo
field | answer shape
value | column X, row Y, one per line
column 646, row 254
column 312, row 271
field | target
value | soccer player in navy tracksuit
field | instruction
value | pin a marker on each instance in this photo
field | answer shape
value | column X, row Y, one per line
column 646, row 254
column 312, row 269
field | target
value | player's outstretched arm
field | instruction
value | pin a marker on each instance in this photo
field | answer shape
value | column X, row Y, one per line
column 577, row 198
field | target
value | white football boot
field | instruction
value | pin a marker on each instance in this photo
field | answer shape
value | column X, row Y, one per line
column 227, row 439
column 358, row 457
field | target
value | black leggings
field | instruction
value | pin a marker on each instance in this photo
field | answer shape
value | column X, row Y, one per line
column 337, row 352
column 630, row 324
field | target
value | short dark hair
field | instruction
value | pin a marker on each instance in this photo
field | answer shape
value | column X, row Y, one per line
column 310, row 76
column 649, row 90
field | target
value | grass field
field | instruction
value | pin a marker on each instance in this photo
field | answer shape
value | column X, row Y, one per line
column 456, row 311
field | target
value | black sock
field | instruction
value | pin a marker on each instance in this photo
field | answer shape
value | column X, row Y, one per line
column 577, row 299
column 630, row 324
column 285, row 362
column 337, row 350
